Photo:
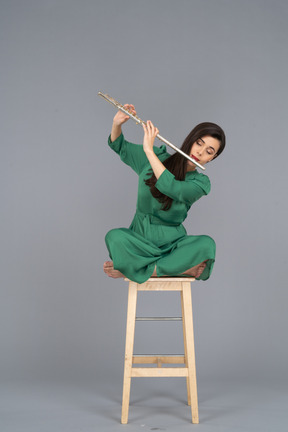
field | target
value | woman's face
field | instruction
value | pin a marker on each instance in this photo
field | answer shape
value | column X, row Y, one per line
column 203, row 150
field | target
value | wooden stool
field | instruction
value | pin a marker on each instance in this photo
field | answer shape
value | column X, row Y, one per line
column 188, row 359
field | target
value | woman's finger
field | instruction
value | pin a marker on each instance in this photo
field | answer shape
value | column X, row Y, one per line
column 130, row 107
column 152, row 127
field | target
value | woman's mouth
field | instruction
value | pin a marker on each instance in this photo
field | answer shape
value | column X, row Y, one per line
column 194, row 157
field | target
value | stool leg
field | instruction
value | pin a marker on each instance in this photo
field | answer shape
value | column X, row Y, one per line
column 189, row 334
column 130, row 331
column 185, row 350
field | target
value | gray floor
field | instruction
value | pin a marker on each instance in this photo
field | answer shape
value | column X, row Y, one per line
column 156, row 405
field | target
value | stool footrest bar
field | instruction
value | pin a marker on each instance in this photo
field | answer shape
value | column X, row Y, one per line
column 154, row 359
column 159, row 372
column 158, row 318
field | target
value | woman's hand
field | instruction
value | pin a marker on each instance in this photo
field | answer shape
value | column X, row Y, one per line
column 150, row 132
column 121, row 117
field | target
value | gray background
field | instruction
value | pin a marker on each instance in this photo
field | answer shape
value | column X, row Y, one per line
column 62, row 320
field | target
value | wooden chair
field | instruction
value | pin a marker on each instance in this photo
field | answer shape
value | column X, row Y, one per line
column 188, row 369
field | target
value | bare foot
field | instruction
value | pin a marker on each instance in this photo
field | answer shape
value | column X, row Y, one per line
column 197, row 270
column 110, row 271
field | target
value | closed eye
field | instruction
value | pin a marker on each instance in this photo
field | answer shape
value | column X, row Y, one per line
column 210, row 150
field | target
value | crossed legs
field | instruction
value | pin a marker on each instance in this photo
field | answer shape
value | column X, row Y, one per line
column 128, row 246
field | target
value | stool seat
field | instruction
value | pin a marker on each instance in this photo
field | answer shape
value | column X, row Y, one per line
column 188, row 370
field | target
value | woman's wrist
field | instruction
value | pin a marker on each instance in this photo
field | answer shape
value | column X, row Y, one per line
column 149, row 151
column 116, row 131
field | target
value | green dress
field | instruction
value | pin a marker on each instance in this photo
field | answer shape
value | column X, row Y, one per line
column 157, row 237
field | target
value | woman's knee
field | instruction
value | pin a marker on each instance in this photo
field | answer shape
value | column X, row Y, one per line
column 209, row 243
column 112, row 235
column 116, row 235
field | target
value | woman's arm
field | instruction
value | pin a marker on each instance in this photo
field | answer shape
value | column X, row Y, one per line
column 150, row 132
column 131, row 154
column 119, row 119
column 134, row 154
column 185, row 191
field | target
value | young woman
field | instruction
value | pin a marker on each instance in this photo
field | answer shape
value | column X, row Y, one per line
column 156, row 243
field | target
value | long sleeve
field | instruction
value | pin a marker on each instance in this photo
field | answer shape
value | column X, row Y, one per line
column 188, row 191
column 133, row 154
